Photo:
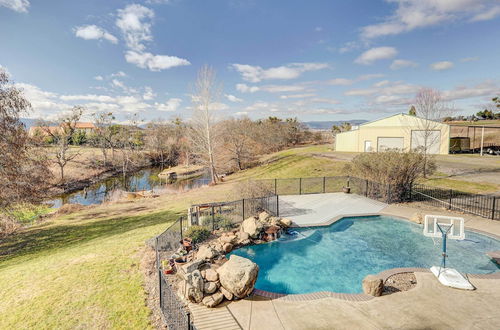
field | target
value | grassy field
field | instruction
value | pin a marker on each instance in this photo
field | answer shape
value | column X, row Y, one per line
column 82, row 270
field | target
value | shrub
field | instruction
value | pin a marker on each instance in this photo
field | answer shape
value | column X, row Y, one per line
column 223, row 223
column 197, row 233
column 396, row 168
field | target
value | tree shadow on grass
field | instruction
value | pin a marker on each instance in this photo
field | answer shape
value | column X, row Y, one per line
column 43, row 240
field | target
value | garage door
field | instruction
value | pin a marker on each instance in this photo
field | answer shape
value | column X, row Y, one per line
column 385, row 143
column 433, row 140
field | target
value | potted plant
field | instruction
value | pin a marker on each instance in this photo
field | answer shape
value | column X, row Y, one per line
column 346, row 190
column 167, row 267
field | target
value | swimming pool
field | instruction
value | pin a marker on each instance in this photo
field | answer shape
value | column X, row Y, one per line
column 337, row 258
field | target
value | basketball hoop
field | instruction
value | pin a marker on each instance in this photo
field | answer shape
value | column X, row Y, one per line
column 446, row 228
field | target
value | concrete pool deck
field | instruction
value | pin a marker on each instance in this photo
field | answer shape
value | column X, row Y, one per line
column 429, row 305
column 321, row 209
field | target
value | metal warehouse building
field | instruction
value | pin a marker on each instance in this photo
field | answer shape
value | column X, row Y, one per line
column 399, row 131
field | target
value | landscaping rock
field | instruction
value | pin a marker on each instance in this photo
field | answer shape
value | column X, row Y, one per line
column 238, row 276
column 213, row 300
column 189, row 292
column 228, row 295
column 228, row 238
column 285, row 222
column 211, row 275
column 206, row 253
column 228, row 247
column 191, row 266
column 264, row 216
column 252, row 227
column 373, row 285
column 210, row 287
column 242, row 236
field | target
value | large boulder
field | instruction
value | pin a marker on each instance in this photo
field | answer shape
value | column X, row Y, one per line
column 264, row 216
column 228, row 247
column 206, row 252
column 252, row 227
column 190, row 267
column 213, row 300
column 211, row 275
column 188, row 291
column 373, row 285
column 238, row 276
column 285, row 222
column 228, row 238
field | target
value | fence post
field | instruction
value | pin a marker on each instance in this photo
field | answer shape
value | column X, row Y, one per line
column 324, row 184
column 180, row 220
column 389, row 194
column 493, row 208
column 411, row 187
column 300, row 186
column 277, row 206
column 451, row 196
column 243, row 208
column 213, row 218
column 189, row 320
column 366, row 188
column 348, row 181
column 275, row 186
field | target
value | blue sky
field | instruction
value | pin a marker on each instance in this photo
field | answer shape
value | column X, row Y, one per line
column 315, row 60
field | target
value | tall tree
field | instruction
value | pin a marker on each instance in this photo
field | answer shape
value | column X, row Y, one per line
column 63, row 136
column 206, row 93
column 103, row 134
column 432, row 109
column 24, row 172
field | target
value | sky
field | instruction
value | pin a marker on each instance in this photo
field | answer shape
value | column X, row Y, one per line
column 315, row 60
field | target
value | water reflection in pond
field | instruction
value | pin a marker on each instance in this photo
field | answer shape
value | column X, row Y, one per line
column 145, row 179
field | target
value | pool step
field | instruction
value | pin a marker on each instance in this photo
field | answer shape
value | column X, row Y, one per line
column 219, row 318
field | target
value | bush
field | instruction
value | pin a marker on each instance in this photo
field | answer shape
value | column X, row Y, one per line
column 396, row 168
column 223, row 223
column 197, row 233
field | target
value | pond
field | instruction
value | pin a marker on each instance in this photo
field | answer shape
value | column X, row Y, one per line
column 145, row 179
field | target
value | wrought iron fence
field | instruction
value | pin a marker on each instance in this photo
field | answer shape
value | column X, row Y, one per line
column 174, row 311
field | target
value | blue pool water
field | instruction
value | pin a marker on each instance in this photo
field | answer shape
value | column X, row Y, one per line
column 337, row 258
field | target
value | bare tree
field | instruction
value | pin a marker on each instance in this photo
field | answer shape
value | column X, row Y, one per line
column 239, row 146
column 203, row 134
column 23, row 170
column 103, row 134
column 62, row 137
column 129, row 142
column 430, row 107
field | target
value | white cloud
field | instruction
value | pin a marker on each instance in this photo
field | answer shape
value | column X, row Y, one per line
column 440, row 66
column 297, row 96
column 282, row 88
column 21, row 6
column 486, row 88
column 99, row 78
column 400, row 64
column 148, row 93
column 88, row 97
column 134, row 21
column 340, row 82
column 154, row 62
column 290, row 71
column 241, row 113
column 469, row 59
column 244, row 88
column 486, row 15
column 413, row 14
column 93, row 32
column 233, row 98
column 170, row 105
column 118, row 74
column 375, row 54
column 318, row 29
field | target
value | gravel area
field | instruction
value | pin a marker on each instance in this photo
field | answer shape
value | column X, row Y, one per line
column 399, row 282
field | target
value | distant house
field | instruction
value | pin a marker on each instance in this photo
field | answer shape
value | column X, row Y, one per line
column 399, row 131
column 88, row 127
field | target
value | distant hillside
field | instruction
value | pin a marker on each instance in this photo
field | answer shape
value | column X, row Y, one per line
column 28, row 122
column 329, row 124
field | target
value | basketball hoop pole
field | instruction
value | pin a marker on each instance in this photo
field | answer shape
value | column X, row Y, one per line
column 443, row 235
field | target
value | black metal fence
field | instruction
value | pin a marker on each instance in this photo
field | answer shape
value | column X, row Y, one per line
column 227, row 214
column 482, row 205
column 175, row 312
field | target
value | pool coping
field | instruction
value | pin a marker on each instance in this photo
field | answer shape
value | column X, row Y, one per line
column 383, row 275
